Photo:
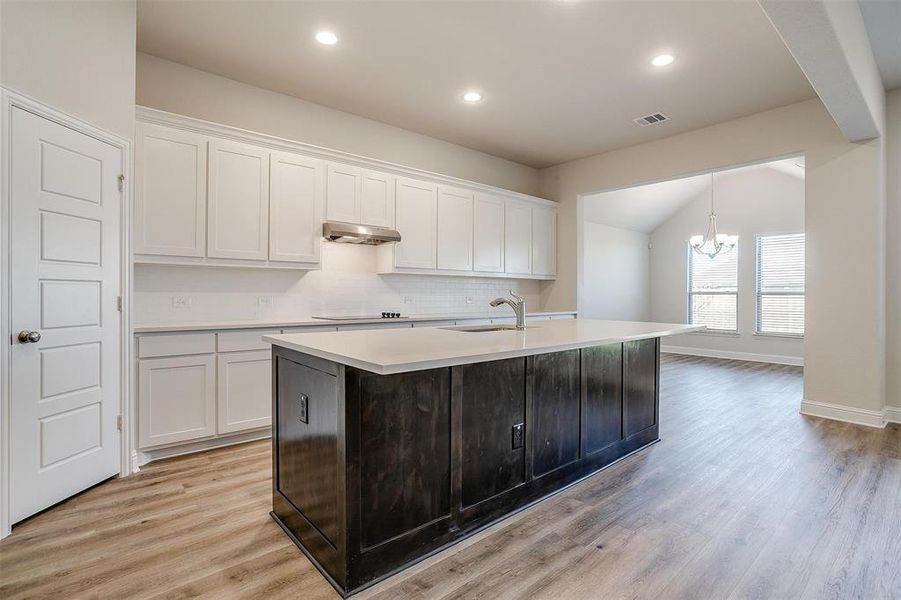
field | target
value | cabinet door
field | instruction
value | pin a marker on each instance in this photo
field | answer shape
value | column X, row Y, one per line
column 295, row 205
column 602, row 397
column 493, row 404
column 544, row 241
column 170, row 192
column 518, row 238
column 555, row 410
column 176, row 399
column 244, row 396
column 378, row 199
column 416, row 205
column 343, row 191
column 488, row 234
column 454, row 229
column 238, row 224
column 639, row 386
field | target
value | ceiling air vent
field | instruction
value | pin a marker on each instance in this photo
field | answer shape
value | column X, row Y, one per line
column 653, row 119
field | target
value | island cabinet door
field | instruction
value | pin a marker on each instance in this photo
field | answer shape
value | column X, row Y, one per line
column 639, row 386
column 554, row 410
column 306, row 459
column 602, row 397
column 404, row 461
column 492, row 417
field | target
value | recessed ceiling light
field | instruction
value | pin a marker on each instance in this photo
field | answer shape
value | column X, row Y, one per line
column 472, row 96
column 327, row 37
column 661, row 60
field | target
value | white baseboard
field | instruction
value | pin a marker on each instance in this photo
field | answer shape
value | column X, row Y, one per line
column 151, row 455
column 777, row 359
column 892, row 414
column 848, row 414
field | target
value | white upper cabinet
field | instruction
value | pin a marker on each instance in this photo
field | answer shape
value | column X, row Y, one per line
column 343, row 193
column 454, row 229
column 544, row 241
column 297, row 189
column 238, row 220
column 170, row 192
column 517, row 238
column 377, row 204
column 488, row 233
column 416, row 204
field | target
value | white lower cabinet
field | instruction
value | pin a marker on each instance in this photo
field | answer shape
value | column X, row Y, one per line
column 177, row 399
column 244, row 395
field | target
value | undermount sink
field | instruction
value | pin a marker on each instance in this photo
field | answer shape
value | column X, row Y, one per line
column 482, row 328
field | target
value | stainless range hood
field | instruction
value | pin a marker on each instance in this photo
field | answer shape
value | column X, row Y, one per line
column 349, row 233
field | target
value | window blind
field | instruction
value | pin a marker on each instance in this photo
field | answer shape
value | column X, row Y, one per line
column 713, row 290
column 780, row 284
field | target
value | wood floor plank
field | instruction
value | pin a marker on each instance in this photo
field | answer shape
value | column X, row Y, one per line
column 743, row 498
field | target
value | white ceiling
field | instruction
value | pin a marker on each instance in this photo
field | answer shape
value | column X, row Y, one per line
column 561, row 79
column 644, row 208
column 883, row 22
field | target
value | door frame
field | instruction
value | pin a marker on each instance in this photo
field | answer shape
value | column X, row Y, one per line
column 9, row 100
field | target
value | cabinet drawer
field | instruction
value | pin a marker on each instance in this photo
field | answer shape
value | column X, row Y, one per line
column 237, row 341
column 178, row 344
column 310, row 329
column 434, row 323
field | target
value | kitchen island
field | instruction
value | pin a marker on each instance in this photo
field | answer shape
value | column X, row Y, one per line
column 390, row 445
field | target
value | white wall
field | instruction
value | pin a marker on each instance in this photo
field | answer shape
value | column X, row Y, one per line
column 347, row 284
column 78, row 57
column 176, row 88
column 893, row 246
column 749, row 202
column 845, row 193
column 615, row 282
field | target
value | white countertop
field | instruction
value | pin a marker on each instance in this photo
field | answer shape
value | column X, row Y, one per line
column 386, row 351
column 308, row 322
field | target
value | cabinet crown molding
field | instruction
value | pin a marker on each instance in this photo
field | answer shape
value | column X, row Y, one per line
column 144, row 114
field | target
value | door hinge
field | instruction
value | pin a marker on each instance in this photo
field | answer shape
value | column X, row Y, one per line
column 119, row 303
column 121, row 183
column 119, row 422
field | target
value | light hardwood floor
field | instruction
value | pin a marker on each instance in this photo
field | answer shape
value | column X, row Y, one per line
column 743, row 498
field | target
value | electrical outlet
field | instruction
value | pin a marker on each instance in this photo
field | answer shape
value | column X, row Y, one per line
column 181, row 302
column 408, row 299
column 468, row 299
column 517, row 435
column 265, row 302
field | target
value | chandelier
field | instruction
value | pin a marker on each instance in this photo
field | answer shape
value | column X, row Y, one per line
column 712, row 243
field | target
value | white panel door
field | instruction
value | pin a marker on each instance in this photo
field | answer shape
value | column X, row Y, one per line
column 488, row 233
column 176, row 399
column 244, row 394
column 170, row 191
column 518, row 238
column 238, row 225
column 297, row 189
column 377, row 199
column 65, row 211
column 343, row 191
column 416, row 205
column 454, row 229
column 544, row 241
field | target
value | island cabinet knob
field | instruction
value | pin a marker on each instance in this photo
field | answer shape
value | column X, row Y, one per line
column 304, row 409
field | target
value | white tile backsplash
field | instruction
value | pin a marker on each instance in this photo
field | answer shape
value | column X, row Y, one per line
column 347, row 284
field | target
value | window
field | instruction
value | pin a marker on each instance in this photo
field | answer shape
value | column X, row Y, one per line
column 713, row 290
column 780, row 284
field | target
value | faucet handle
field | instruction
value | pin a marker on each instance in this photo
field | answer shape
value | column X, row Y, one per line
column 516, row 296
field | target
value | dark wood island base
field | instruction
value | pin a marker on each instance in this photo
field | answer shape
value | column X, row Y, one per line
column 372, row 473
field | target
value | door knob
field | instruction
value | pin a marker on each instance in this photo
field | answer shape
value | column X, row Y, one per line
column 29, row 337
